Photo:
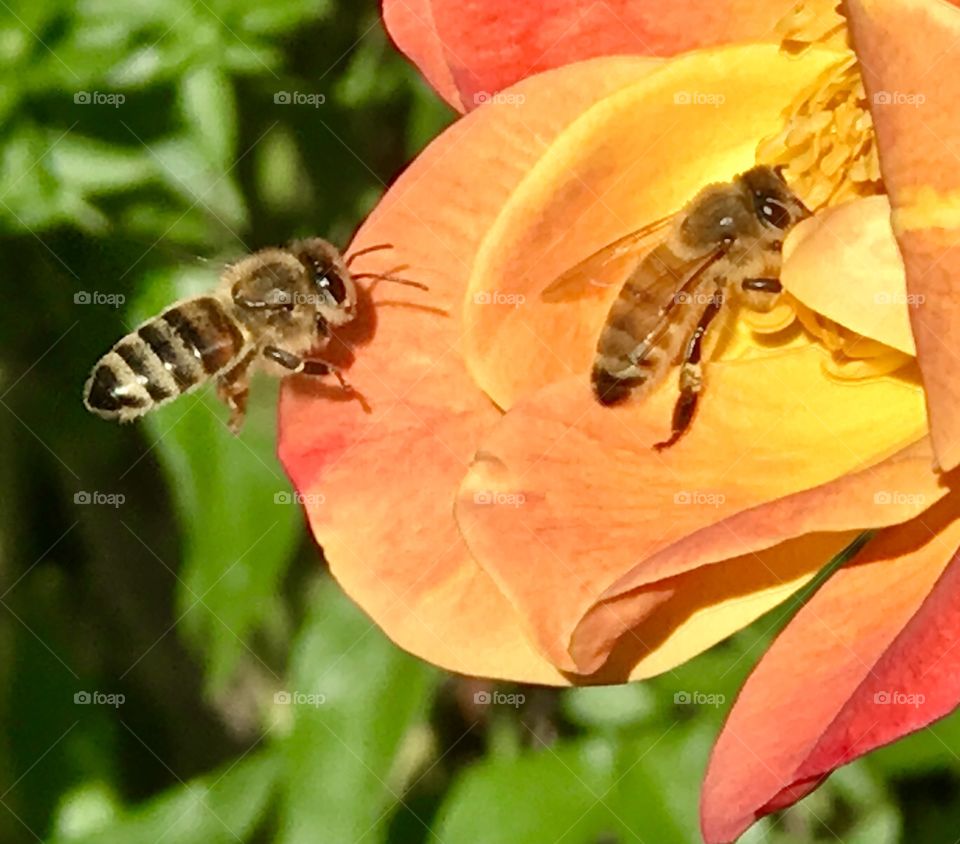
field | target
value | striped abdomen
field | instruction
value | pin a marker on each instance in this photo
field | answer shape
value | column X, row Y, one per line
column 164, row 358
column 645, row 328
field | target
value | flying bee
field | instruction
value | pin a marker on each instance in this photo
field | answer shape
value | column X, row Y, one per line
column 722, row 251
column 270, row 309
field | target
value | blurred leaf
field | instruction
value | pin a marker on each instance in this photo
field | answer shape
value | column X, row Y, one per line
column 342, row 754
column 874, row 820
column 851, row 807
column 224, row 806
column 429, row 116
column 574, row 791
column 610, row 707
column 282, row 15
column 363, row 82
column 31, row 197
column 933, row 748
column 239, row 521
column 279, row 173
column 86, row 810
column 185, row 169
column 91, row 166
column 206, row 99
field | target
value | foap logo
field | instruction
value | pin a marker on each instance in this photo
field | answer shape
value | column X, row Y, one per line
column 487, row 497
column 100, row 499
column 898, row 698
column 500, row 98
column 295, row 698
column 684, row 298
column 495, row 698
column 896, row 496
column 899, row 98
column 698, row 698
column 299, row 98
column 307, row 499
column 98, row 98
column 898, row 298
column 95, row 297
column 283, row 297
column 95, row 698
column 699, row 98
column 497, row 297
column 698, row 497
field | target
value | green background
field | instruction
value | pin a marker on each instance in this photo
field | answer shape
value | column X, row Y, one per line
column 199, row 597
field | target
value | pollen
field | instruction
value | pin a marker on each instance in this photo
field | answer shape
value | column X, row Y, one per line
column 827, row 142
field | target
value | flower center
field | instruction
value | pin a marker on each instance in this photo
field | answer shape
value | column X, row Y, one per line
column 853, row 356
column 827, row 143
column 828, row 147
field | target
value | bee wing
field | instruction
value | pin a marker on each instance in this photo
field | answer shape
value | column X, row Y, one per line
column 664, row 291
column 607, row 266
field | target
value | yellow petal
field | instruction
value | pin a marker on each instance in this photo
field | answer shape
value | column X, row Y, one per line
column 575, row 516
column 636, row 156
column 844, row 263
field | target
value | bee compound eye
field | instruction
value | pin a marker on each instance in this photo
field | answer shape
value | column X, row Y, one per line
column 332, row 283
column 773, row 212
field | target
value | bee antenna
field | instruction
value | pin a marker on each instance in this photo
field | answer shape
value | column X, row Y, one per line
column 367, row 250
column 378, row 277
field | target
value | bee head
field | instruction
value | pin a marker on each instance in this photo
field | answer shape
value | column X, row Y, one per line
column 775, row 205
column 337, row 294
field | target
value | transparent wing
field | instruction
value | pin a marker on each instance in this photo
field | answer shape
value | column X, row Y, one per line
column 607, row 266
column 667, row 291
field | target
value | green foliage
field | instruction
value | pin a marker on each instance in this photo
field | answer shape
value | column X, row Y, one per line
column 223, row 806
column 143, row 144
column 364, row 697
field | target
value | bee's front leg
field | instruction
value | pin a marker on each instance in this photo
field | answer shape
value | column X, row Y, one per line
column 297, row 364
column 761, row 294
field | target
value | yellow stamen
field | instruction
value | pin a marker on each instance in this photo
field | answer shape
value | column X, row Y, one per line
column 812, row 22
column 853, row 356
column 827, row 143
column 828, row 147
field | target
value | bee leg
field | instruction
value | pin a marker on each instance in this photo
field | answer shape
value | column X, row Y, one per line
column 691, row 375
column 233, row 387
column 761, row 294
column 761, row 285
column 296, row 364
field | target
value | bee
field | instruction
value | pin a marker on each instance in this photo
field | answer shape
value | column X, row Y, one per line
column 721, row 252
column 270, row 310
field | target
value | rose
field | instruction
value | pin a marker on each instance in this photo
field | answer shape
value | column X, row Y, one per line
column 796, row 455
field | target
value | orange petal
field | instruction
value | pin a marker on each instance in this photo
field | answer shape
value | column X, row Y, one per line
column 911, row 70
column 597, row 522
column 471, row 48
column 379, row 486
column 412, row 27
column 636, row 156
column 844, row 264
column 865, row 661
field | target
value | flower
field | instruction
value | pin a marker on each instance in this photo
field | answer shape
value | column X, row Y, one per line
column 483, row 46
column 494, row 519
